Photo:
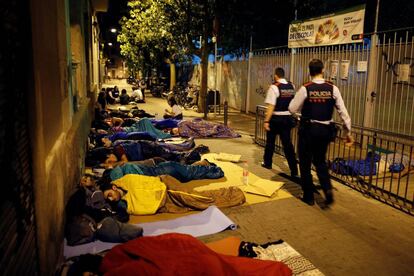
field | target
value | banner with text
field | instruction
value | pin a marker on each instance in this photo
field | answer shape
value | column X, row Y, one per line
column 339, row 28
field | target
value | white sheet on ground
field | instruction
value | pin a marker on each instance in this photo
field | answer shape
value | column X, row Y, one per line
column 210, row 221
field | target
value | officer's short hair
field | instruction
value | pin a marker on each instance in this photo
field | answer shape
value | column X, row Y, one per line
column 315, row 67
column 279, row 72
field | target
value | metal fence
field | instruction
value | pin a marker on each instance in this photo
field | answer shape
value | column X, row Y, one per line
column 380, row 164
column 394, row 101
column 375, row 77
column 295, row 62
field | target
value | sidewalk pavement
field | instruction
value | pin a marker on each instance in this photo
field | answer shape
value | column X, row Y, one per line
column 356, row 236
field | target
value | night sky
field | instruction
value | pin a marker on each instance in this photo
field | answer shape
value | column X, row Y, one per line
column 270, row 19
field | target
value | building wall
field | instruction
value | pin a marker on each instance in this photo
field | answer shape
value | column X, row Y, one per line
column 58, row 136
column 95, row 62
column 18, row 246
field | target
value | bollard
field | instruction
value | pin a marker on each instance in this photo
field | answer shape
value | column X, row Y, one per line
column 205, row 108
column 226, row 107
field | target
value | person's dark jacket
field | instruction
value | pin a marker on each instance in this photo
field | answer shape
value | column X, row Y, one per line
column 77, row 205
column 124, row 99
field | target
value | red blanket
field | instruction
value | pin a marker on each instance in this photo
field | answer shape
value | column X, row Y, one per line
column 178, row 254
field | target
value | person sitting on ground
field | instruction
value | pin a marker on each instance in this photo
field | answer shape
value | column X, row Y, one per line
column 110, row 99
column 137, row 95
column 100, row 105
column 124, row 98
column 115, row 92
column 101, row 101
column 176, row 111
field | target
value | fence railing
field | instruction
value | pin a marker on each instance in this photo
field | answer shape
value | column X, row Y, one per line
column 380, row 164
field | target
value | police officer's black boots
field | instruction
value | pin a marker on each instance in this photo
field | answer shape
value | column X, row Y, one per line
column 329, row 199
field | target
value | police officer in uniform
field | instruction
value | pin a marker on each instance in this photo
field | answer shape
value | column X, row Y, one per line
column 316, row 101
column 279, row 121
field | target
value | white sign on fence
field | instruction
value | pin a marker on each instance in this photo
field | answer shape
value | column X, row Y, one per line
column 340, row 28
column 344, row 69
column 403, row 72
column 362, row 66
column 334, row 69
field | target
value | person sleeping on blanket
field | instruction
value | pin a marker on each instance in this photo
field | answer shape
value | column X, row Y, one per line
column 199, row 128
column 174, row 144
column 146, row 195
column 125, row 151
column 182, row 172
column 143, row 125
column 90, row 217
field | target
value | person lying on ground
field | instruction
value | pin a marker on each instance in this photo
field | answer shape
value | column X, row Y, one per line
column 165, row 123
column 90, row 217
column 106, row 140
column 143, row 125
column 134, row 112
column 174, row 144
column 124, row 151
column 175, row 112
column 173, row 253
column 146, row 195
column 182, row 172
column 106, row 122
column 199, row 128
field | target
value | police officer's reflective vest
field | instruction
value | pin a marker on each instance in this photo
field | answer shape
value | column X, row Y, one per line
column 286, row 94
column 320, row 102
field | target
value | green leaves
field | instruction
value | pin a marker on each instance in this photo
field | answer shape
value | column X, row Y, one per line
column 157, row 30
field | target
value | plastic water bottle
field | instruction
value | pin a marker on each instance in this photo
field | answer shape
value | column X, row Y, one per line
column 245, row 173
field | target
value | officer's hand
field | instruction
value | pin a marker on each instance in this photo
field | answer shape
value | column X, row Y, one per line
column 266, row 126
column 349, row 140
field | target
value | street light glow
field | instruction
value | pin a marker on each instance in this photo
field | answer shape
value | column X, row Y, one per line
column 113, row 30
column 109, row 43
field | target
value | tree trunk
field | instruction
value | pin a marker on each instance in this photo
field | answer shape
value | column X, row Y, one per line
column 202, row 103
column 172, row 75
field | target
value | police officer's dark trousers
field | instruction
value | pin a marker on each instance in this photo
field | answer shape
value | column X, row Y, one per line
column 314, row 139
column 280, row 125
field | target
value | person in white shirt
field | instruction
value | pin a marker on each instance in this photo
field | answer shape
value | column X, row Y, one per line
column 137, row 95
column 316, row 101
column 176, row 111
column 279, row 121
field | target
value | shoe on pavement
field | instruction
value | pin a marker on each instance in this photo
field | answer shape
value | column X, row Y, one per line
column 309, row 201
column 329, row 199
column 266, row 166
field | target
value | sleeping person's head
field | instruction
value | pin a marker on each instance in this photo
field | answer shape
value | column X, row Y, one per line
column 111, row 192
column 103, row 141
column 174, row 131
column 100, row 156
